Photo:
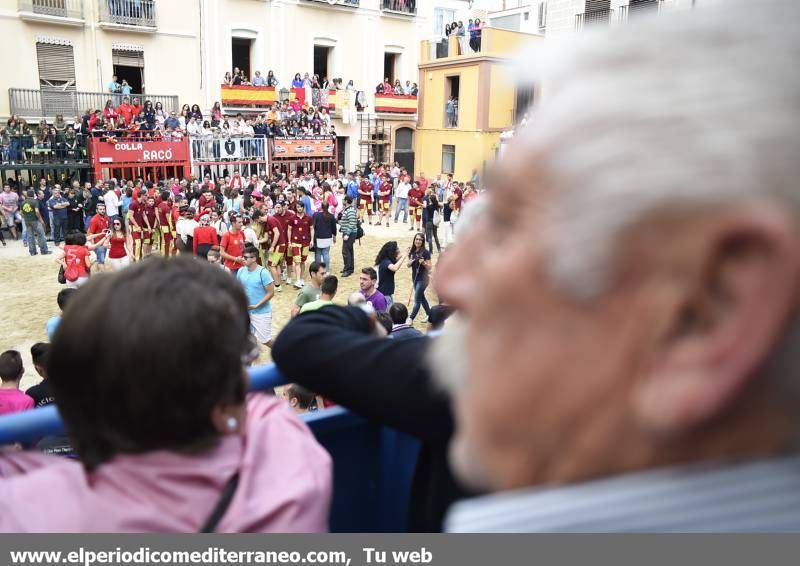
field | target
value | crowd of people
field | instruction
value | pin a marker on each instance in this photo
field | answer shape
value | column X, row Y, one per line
column 474, row 30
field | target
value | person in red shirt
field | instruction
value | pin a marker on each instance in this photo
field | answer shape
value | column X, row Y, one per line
column 459, row 194
column 149, row 223
column 125, row 111
column 166, row 225
column 415, row 196
column 423, row 182
column 365, row 190
column 136, row 108
column 231, row 247
column 384, row 198
column 99, row 229
column 206, row 201
column 204, row 237
column 278, row 225
column 136, row 223
column 301, row 234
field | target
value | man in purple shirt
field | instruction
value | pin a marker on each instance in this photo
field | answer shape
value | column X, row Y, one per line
column 368, row 281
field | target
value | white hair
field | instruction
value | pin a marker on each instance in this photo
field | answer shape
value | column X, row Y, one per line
column 692, row 110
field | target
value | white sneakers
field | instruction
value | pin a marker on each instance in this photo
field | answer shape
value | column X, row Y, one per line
column 299, row 283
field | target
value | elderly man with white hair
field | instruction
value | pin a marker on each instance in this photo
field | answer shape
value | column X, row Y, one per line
column 649, row 214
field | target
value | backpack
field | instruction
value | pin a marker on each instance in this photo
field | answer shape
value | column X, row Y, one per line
column 359, row 230
column 72, row 272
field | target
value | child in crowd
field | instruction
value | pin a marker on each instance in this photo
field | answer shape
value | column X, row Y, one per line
column 12, row 400
column 52, row 322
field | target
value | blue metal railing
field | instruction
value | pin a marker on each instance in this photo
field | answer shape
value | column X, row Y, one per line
column 33, row 425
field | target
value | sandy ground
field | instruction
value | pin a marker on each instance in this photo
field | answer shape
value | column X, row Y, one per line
column 28, row 289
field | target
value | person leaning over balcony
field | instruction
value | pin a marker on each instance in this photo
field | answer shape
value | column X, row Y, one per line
column 161, row 438
column 259, row 80
column 272, row 80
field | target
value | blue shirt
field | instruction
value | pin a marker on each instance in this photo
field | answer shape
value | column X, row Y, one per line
column 352, row 189
column 126, row 89
column 254, row 283
column 59, row 213
column 376, row 182
column 306, row 200
column 51, row 325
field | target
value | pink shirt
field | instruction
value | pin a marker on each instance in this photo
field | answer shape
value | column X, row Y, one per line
column 14, row 401
column 284, row 484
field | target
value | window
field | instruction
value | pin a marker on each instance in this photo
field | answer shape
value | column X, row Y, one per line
column 542, row 16
column 642, row 7
column 56, row 78
column 449, row 159
column 523, row 99
column 452, row 87
column 240, row 55
column 442, row 17
column 129, row 65
column 389, row 66
column 322, row 56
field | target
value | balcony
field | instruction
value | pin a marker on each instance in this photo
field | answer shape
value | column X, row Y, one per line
column 599, row 17
column 404, row 7
column 31, row 103
column 346, row 3
column 66, row 12
column 128, row 15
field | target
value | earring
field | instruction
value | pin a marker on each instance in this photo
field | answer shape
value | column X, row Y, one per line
column 232, row 424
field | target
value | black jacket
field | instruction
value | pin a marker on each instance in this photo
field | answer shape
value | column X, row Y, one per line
column 385, row 381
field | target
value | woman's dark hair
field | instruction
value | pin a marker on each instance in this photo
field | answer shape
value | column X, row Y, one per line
column 126, row 400
column 148, row 105
column 305, row 398
column 122, row 227
column 384, row 320
column 75, row 238
column 197, row 106
column 387, row 251
column 413, row 242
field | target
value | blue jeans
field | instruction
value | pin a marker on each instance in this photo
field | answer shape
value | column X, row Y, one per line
column 323, row 255
column 402, row 204
column 35, row 231
column 419, row 298
column 100, row 252
column 59, row 227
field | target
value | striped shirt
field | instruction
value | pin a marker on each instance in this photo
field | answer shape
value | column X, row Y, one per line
column 761, row 495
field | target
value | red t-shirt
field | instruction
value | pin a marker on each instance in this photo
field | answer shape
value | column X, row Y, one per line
column 415, row 197
column 232, row 244
column 150, row 213
column 283, row 222
column 76, row 256
column 98, row 224
column 385, row 192
column 205, row 235
column 117, row 249
column 365, row 190
column 136, row 209
column 126, row 111
column 301, row 230
column 423, row 184
column 163, row 211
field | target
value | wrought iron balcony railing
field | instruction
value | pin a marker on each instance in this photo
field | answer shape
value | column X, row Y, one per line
column 139, row 13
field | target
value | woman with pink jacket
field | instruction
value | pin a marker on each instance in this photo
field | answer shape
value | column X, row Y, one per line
column 148, row 371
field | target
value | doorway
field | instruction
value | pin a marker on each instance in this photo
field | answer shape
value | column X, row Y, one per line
column 322, row 55
column 240, row 55
column 129, row 65
column 404, row 148
column 390, row 66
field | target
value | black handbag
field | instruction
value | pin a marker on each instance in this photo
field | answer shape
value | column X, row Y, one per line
column 61, row 277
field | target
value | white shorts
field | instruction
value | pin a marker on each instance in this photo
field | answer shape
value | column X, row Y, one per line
column 77, row 283
column 118, row 263
column 261, row 326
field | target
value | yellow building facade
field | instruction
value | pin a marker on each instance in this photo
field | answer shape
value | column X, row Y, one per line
column 462, row 136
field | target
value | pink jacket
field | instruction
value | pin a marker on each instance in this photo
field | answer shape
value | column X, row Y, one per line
column 284, row 484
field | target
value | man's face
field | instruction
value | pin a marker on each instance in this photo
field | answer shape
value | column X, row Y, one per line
column 6, row 189
column 543, row 381
column 101, row 209
column 365, row 282
column 320, row 275
column 56, row 192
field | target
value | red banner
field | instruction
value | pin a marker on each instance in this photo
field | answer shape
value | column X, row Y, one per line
column 303, row 148
column 145, row 152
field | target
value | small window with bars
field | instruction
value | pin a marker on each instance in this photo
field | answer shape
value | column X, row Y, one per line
column 448, row 159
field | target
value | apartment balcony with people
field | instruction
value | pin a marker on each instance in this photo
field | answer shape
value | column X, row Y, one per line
column 404, row 7
column 48, row 103
column 64, row 12
column 128, row 15
column 489, row 41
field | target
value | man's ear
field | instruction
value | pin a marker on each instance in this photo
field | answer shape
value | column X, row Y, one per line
column 733, row 304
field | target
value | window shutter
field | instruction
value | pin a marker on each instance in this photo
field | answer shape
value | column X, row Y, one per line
column 128, row 58
column 56, row 66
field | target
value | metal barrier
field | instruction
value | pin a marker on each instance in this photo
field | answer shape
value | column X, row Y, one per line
column 208, row 149
column 58, row 148
column 70, row 103
column 408, row 7
column 373, row 465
